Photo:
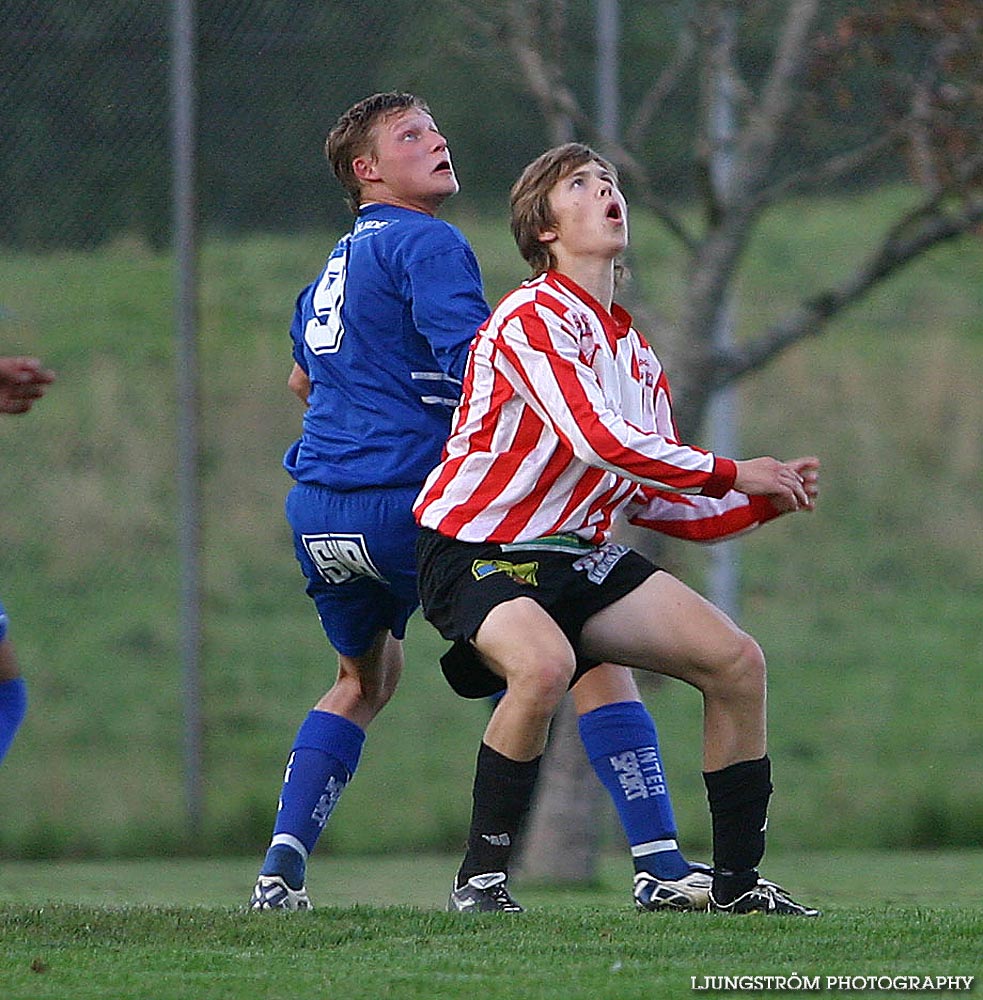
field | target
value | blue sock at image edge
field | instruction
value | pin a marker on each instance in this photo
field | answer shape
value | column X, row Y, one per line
column 13, row 708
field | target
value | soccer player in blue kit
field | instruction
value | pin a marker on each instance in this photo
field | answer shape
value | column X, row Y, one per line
column 23, row 381
column 380, row 341
column 13, row 689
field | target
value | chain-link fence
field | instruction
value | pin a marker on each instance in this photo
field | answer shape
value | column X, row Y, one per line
column 87, row 123
column 89, row 516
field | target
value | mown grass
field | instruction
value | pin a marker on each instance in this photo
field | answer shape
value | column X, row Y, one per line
column 62, row 951
column 868, row 610
column 177, row 930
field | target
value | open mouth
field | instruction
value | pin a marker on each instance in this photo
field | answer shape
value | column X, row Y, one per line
column 614, row 212
column 442, row 167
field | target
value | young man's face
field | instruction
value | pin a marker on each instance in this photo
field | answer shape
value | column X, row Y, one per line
column 591, row 215
column 410, row 164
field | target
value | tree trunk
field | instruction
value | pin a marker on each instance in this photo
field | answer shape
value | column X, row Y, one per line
column 562, row 837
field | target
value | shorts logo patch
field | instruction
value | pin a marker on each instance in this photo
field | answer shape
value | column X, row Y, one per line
column 600, row 562
column 520, row 572
column 340, row 556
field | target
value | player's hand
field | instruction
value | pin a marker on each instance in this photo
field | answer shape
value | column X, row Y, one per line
column 808, row 470
column 781, row 482
column 22, row 381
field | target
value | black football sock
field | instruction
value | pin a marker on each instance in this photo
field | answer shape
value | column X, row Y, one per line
column 503, row 790
column 738, row 797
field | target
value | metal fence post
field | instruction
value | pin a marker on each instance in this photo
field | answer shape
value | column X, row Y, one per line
column 185, row 310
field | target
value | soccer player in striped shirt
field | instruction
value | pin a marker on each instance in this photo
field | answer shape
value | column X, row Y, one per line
column 380, row 341
column 564, row 426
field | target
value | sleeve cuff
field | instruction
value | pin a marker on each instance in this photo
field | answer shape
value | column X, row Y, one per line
column 722, row 479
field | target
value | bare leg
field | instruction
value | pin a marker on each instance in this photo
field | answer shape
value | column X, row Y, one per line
column 323, row 760
column 9, row 667
column 604, row 685
column 521, row 643
column 366, row 682
column 666, row 627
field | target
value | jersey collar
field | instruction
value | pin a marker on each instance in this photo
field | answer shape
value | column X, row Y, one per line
column 616, row 323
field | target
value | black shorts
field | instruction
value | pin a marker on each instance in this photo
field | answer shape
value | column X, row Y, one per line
column 460, row 583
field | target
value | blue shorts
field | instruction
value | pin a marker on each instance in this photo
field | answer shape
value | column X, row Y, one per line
column 357, row 551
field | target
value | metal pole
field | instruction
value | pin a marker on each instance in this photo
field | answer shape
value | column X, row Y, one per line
column 185, row 314
column 723, row 584
column 607, row 26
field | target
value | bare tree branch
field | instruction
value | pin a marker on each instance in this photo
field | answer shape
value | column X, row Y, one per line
column 928, row 229
column 480, row 21
column 829, row 170
column 768, row 118
column 543, row 75
column 665, row 83
column 560, row 108
column 642, row 186
column 922, row 159
column 732, row 219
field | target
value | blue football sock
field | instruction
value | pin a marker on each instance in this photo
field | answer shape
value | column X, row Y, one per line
column 622, row 745
column 324, row 758
column 13, row 706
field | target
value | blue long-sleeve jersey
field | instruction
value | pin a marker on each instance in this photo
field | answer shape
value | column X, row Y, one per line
column 383, row 335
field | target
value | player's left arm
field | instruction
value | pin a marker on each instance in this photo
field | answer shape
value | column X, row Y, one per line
column 711, row 519
column 447, row 300
column 298, row 381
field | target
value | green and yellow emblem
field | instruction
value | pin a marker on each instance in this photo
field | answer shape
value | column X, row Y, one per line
column 520, row 572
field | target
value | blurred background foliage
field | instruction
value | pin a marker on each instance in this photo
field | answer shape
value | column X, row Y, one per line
column 869, row 610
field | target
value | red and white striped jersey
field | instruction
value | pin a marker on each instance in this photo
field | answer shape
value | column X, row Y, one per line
column 565, row 421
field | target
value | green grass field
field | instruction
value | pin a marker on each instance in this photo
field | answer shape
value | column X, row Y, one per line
column 177, row 930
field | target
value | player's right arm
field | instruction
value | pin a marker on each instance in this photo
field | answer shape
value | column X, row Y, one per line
column 537, row 350
column 299, row 383
column 711, row 519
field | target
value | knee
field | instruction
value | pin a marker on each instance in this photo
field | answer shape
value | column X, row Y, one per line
column 542, row 684
column 378, row 690
column 741, row 672
column 370, row 688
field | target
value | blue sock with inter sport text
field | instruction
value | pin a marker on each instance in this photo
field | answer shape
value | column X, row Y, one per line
column 324, row 758
column 623, row 748
column 13, row 707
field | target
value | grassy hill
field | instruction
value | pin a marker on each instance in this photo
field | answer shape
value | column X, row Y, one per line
column 868, row 610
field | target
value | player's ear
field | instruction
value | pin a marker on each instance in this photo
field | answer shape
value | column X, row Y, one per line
column 364, row 168
column 548, row 236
